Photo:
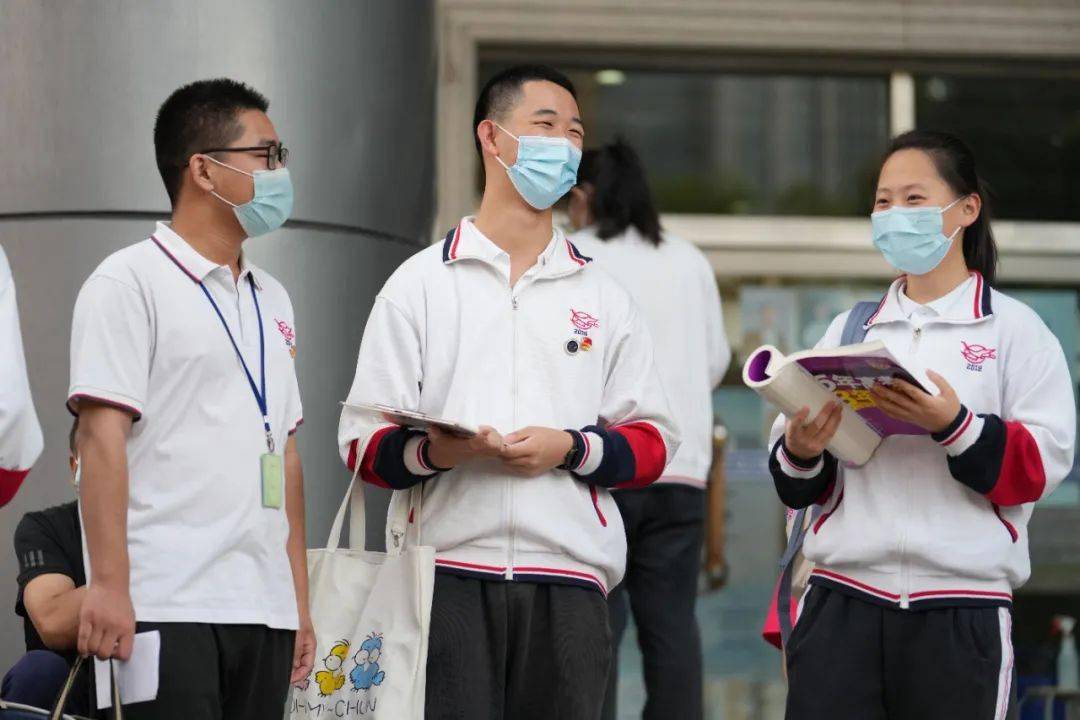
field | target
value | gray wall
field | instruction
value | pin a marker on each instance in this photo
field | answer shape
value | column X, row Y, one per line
column 351, row 86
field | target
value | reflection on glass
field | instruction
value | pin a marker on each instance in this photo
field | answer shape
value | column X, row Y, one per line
column 1025, row 132
column 742, row 143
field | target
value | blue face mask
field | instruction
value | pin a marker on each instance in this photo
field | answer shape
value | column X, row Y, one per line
column 911, row 238
column 269, row 207
column 545, row 170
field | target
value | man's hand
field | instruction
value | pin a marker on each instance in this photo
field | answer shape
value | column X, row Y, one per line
column 449, row 451
column 106, row 623
column 303, row 651
column 533, row 451
column 808, row 440
column 904, row 401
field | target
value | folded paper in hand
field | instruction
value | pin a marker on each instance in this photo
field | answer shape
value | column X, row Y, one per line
column 137, row 677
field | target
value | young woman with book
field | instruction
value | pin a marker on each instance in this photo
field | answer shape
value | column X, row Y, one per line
column 917, row 552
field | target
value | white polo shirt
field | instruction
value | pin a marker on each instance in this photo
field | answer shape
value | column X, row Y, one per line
column 20, row 432
column 146, row 339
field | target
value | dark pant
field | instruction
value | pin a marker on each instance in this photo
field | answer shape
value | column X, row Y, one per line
column 218, row 672
column 515, row 651
column 664, row 531
column 36, row 680
column 850, row 659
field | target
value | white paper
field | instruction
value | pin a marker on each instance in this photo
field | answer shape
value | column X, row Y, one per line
column 137, row 678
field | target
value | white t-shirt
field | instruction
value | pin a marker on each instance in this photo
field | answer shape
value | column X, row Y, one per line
column 20, row 432
column 145, row 338
column 675, row 288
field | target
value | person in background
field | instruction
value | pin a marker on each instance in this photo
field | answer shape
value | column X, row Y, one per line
column 674, row 287
column 183, row 377
column 507, row 323
column 20, row 432
column 52, row 584
column 916, row 553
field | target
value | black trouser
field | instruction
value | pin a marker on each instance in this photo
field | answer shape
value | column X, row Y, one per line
column 515, row 651
column 218, row 672
column 850, row 659
column 664, row 530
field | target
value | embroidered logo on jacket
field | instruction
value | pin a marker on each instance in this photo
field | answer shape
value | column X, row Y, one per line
column 976, row 355
column 583, row 320
column 288, row 334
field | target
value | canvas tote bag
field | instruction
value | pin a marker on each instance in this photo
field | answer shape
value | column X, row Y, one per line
column 371, row 613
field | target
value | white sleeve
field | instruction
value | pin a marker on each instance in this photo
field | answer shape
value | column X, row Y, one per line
column 388, row 371
column 20, row 432
column 716, row 339
column 110, row 346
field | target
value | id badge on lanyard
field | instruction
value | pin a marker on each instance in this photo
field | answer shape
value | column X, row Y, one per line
column 271, row 467
column 271, row 464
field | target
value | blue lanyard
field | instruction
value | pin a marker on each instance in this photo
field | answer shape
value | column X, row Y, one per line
column 260, row 397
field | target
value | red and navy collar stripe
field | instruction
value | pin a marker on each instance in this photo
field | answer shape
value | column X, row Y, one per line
column 576, row 255
column 982, row 307
column 450, row 244
column 880, row 307
column 174, row 259
column 981, row 301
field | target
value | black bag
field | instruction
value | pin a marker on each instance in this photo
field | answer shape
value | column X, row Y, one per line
column 13, row 711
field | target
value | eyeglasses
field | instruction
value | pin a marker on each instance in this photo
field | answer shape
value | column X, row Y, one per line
column 277, row 155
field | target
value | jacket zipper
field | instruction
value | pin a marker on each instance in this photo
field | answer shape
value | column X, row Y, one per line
column 513, row 413
column 905, row 581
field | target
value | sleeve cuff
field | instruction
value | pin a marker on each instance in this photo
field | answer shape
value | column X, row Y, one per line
column 105, row 397
column 590, row 452
column 417, row 459
column 961, row 434
column 796, row 467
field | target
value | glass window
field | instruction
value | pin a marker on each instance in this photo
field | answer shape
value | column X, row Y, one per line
column 776, row 144
column 1025, row 132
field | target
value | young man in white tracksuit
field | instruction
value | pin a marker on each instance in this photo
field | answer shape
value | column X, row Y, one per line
column 20, row 432
column 917, row 552
column 506, row 326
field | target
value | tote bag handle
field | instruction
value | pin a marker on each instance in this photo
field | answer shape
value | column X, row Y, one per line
column 354, row 503
column 58, row 709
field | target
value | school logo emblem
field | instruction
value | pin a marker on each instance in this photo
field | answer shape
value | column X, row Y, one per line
column 583, row 320
column 288, row 334
column 976, row 355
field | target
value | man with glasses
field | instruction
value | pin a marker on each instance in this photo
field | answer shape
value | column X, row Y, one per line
column 182, row 376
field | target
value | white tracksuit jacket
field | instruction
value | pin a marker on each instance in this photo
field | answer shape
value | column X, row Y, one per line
column 20, row 432
column 942, row 520
column 564, row 348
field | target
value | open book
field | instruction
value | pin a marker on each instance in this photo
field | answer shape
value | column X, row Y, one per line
column 813, row 378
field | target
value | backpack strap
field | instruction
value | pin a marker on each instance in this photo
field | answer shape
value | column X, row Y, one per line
column 787, row 567
column 855, row 327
